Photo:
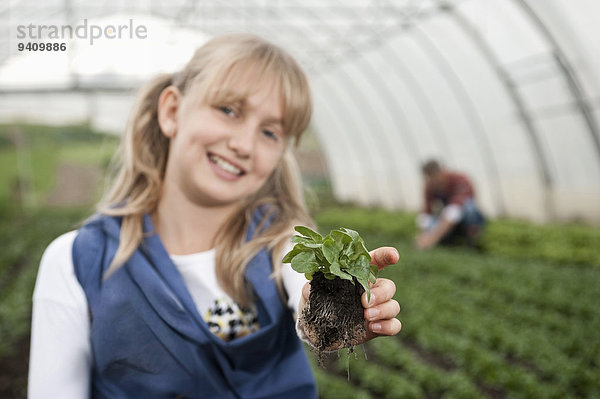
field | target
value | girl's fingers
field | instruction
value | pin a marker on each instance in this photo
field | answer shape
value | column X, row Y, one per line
column 384, row 327
column 385, row 311
column 382, row 291
column 384, row 256
column 306, row 291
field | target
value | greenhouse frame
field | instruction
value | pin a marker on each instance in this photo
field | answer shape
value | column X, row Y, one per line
column 507, row 91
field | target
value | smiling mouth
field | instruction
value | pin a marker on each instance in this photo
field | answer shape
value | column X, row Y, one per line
column 225, row 165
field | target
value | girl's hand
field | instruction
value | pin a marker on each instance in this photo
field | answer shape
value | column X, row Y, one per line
column 381, row 312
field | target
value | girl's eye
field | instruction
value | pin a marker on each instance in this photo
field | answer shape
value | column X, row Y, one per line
column 227, row 110
column 270, row 134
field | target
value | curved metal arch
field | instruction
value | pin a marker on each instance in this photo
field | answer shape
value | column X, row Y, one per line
column 374, row 76
column 430, row 115
column 533, row 133
column 349, row 151
column 371, row 77
column 491, row 168
column 471, row 113
column 569, row 73
column 435, row 129
column 383, row 133
column 357, row 106
column 393, row 111
column 248, row 12
column 397, row 114
column 376, row 39
column 365, row 144
column 336, row 34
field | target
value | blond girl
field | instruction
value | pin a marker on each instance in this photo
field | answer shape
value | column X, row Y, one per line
column 175, row 288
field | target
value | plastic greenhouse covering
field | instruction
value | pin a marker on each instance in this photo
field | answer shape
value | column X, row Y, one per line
column 507, row 91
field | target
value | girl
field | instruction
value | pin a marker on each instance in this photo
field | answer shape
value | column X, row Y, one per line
column 176, row 288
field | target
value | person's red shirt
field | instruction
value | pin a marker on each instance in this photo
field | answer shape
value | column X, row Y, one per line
column 454, row 189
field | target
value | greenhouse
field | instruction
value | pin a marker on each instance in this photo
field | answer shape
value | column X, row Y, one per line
column 506, row 92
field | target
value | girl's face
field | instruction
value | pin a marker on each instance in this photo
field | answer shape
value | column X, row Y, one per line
column 223, row 153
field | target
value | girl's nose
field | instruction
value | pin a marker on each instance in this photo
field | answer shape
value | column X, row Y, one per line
column 242, row 141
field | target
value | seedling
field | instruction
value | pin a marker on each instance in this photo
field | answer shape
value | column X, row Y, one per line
column 339, row 268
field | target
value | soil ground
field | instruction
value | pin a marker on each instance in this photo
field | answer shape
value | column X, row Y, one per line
column 13, row 371
column 75, row 185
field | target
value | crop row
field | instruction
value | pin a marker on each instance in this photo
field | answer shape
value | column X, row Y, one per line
column 15, row 309
column 382, row 381
column 434, row 380
column 519, row 325
column 484, row 344
column 547, row 285
column 468, row 370
column 535, row 347
column 568, row 333
column 24, row 238
column 542, row 285
column 516, row 378
column 548, row 353
column 561, row 243
column 332, row 386
column 529, row 344
column 564, row 243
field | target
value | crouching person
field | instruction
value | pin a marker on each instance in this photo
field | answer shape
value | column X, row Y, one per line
column 450, row 215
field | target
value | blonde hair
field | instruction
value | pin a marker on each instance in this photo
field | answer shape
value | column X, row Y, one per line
column 213, row 71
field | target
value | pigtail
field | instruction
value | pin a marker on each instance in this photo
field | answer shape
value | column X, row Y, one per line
column 140, row 167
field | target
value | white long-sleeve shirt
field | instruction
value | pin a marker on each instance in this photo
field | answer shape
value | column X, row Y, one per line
column 60, row 356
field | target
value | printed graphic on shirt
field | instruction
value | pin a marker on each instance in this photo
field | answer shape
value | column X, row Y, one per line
column 227, row 320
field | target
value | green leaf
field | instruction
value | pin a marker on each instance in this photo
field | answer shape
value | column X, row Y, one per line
column 361, row 270
column 340, row 237
column 365, row 283
column 320, row 257
column 353, row 234
column 372, row 278
column 358, row 249
column 335, row 269
column 374, row 269
column 308, row 242
column 343, row 261
column 305, row 262
column 329, row 276
column 298, row 248
column 373, row 274
column 302, row 240
column 330, row 249
column 290, row 255
column 341, row 254
column 360, row 267
column 305, row 231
